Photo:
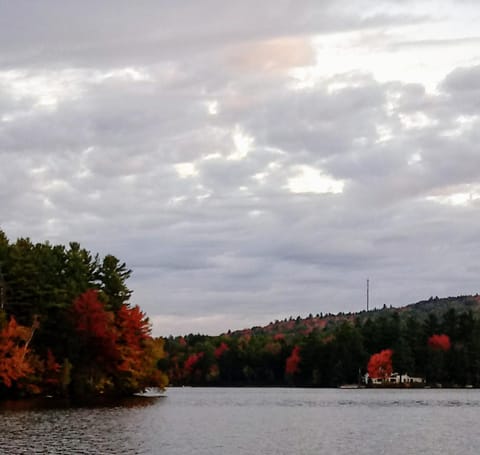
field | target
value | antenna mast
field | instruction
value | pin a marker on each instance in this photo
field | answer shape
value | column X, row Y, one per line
column 368, row 293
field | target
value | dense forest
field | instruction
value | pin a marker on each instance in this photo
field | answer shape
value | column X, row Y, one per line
column 438, row 340
column 67, row 327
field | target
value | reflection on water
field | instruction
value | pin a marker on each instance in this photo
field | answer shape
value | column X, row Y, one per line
column 51, row 403
column 247, row 421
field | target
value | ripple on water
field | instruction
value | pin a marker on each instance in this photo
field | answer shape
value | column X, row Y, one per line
column 246, row 421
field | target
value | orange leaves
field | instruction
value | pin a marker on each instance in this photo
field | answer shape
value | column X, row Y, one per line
column 13, row 352
column 133, row 329
column 20, row 366
column 380, row 364
column 439, row 342
column 117, row 337
column 291, row 366
column 113, row 352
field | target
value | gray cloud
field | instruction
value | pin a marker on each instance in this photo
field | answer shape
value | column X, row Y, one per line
column 172, row 136
column 113, row 32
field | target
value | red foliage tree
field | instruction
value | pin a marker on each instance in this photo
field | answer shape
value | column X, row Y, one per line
column 95, row 325
column 292, row 363
column 220, row 350
column 439, row 342
column 91, row 319
column 380, row 364
column 191, row 361
column 116, row 349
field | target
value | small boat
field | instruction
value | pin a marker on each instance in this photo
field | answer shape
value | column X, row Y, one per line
column 151, row 392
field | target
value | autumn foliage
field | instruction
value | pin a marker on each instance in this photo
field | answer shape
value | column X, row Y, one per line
column 114, row 353
column 380, row 364
column 121, row 352
column 132, row 331
column 292, row 363
column 67, row 326
column 220, row 350
column 191, row 361
column 95, row 326
column 14, row 353
column 439, row 342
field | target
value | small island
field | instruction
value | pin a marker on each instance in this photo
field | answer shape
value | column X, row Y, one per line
column 67, row 328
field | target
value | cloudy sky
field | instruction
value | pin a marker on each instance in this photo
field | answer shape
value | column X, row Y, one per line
column 248, row 160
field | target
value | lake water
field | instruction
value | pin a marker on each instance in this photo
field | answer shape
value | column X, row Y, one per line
column 253, row 421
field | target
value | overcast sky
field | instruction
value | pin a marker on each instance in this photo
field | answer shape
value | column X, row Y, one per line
column 248, row 160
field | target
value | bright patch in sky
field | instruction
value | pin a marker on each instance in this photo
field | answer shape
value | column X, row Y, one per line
column 384, row 133
column 470, row 194
column 311, row 180
column 418, row 120
column 455, row 199
column 128, row 74
column 46, row 89
column 414, row 159
column 243, row 144
column 418, row 53
column 185, row 170
column 464, row 124
column 212, row 107
column 174, row 201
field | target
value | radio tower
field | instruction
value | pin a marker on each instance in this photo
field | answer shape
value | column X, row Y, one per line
column 368, row 293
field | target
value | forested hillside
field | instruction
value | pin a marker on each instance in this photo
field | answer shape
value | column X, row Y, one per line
column 437, row 339
column 67, row 327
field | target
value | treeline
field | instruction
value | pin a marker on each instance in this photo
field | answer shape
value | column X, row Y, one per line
column 67, row 327
column 334, row 352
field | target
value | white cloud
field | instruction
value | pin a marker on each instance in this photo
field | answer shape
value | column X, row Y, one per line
column 417, row 120
column 212, row 107
column 462, row 195
column 185, row 170
column 311, row 180
column 243, row 144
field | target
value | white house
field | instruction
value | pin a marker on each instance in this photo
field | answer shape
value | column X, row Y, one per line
column 394, row 378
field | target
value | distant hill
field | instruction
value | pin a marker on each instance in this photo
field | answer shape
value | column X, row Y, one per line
column 435, row 339
column 420, row 310
column 439, row 306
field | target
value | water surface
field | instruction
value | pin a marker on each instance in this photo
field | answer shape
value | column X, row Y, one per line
column 253, row 421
